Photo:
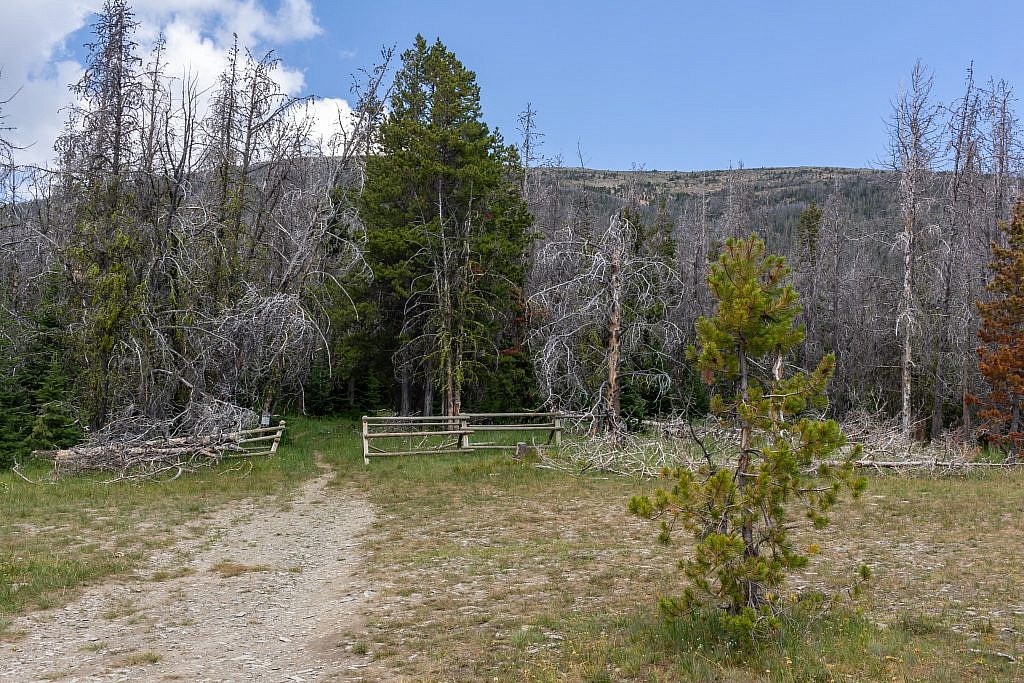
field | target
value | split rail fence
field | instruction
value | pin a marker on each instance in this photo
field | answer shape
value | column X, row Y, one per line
column 259, row 441
column 431, row 435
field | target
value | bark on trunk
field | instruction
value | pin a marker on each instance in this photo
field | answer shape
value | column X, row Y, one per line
column 428, row 391
column 906, row 356
column 752, row 593
column 405, row 401
column 612, row 399
column 938, row 398
column 965, row 408
column 449, row 387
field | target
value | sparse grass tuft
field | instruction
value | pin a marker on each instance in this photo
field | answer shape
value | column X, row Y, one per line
column 122, row 607
column 169, row 574
column 139, row 659
column 229, row 568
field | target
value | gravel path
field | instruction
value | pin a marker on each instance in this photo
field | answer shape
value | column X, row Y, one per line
column 291, row 611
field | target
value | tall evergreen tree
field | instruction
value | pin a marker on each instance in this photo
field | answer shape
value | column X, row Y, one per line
column 446, row 228
column 97, row 157
column 1001, row 353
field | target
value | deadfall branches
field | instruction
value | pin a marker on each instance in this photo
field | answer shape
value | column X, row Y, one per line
column 164, row 458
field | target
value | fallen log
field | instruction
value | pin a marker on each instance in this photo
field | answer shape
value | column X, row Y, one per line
column 933, row 464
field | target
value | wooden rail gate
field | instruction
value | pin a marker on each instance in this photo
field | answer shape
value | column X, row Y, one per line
column 259, row 441
column 454, row 434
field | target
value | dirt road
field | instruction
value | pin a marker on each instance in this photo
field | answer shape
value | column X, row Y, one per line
column 269, row 595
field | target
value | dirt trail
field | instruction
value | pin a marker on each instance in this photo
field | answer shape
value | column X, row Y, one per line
column 291, row 613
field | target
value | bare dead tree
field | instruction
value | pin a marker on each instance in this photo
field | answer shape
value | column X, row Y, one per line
column 532, row 139
column 600, row 317
column 954, row 287
column 912, row 148
column 1003, row 153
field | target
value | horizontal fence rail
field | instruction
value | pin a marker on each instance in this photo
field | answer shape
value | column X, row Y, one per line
column 259, row 441
column 425, row 435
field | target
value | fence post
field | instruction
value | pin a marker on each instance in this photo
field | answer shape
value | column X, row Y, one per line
column 558, row 432
column 366, row 442
column 464, row 428
column 277, row 438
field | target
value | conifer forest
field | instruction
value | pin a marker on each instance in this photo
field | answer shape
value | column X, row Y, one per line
column 744, row 349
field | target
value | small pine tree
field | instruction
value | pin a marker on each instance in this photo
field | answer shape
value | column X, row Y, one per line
column 14, row 406
column 55, row 425
column 1001, row 353
column 739, row 513
column 808, row 228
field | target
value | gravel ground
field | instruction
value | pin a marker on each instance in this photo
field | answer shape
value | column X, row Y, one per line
column 284, row 604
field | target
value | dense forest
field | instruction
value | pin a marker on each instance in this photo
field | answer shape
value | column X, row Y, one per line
column 192, row 260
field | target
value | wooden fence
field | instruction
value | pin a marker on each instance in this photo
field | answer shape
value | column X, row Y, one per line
column 454, row 434
column 258, row 441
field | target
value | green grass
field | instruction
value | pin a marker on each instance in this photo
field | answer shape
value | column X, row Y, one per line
column 487, row 569
column 56, row 537
column 494, row 569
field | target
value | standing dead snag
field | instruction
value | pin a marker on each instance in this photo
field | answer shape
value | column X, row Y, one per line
column 912, row 146
column 603, row 309
column 740, row 514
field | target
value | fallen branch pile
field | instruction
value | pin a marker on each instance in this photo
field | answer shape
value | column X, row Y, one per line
column 679, row 442
column 626, row 454
column 159, row 458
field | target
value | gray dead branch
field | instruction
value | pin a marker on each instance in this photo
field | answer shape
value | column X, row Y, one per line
column 681, row 443
column 164, row 458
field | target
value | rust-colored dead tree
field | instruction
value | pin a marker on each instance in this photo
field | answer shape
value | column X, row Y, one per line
column 1001, row 352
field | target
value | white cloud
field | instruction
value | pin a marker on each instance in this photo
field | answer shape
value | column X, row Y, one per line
column 33, row 59
column 37, row 111
column 34, row 55
column 329, row 114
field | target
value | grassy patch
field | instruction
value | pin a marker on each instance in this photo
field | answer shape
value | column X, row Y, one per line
column 58, row 536
column 492, row 569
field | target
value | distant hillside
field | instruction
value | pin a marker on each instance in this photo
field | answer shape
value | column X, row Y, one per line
column 770, row 198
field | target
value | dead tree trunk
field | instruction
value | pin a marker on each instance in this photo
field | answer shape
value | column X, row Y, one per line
column 612, row 397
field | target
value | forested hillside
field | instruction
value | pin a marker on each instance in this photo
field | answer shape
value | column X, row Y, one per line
column 191, row 260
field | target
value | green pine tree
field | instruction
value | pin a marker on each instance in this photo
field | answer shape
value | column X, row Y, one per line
column 105, row 252
column 739, row 511
column 446, row 227
column 808, row 228
column 15, row 407
column 55, row 424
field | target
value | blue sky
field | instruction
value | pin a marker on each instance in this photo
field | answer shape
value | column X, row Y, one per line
column 687, row 85
column 668, row 85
